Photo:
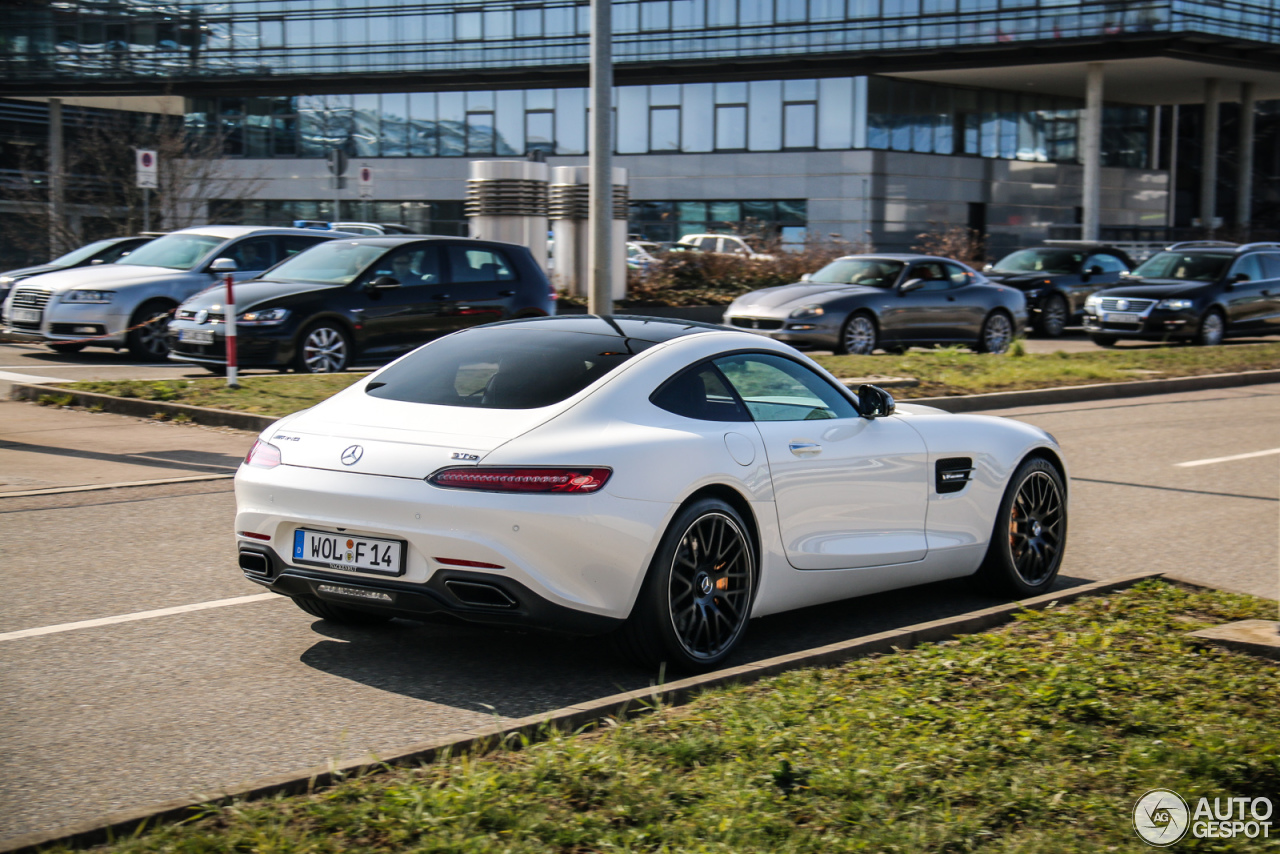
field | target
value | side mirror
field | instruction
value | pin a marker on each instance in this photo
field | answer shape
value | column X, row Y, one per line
column 874, row 402
column 223, row 265
column 807, row 277
column 1240, row 277
column 987, row 268
column 911, row 285
column 383, row 283
column 1096, row 270
column 96, row 261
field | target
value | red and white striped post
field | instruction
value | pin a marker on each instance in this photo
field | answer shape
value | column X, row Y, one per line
column 228, row 266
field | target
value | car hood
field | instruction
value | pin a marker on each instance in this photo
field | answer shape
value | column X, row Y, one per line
column 802, row 292
column 251, row 294
column 1156, row 289
column 1024, row 281
column 104, row 276
column 27, row 272
column 398, row 439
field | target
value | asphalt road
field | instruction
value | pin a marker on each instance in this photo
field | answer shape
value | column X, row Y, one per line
column 113, row 716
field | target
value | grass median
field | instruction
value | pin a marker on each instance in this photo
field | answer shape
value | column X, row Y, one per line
column 942, row 371
column 1036, row 737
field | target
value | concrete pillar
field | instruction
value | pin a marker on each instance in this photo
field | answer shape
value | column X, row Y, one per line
column 1244, row 177
column 1209, row 162
column 507, row 200
column 569, row 210
column 1091, row 149
column 1153, row 141
column 1172, row 211
column 57, row 183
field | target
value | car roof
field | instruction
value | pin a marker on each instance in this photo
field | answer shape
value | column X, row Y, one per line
column 898, row 256
column 639, row 327
column 227, row 232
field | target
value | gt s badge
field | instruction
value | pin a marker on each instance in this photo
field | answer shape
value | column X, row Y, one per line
column 459, row 455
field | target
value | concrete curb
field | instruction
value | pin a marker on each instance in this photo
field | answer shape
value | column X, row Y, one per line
column 958, row 403
column 515, row 733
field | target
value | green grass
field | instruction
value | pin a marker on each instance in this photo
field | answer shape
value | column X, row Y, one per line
column 1036, row 737
column 942, row 371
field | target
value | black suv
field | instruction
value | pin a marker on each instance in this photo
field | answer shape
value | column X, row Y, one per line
column 1200, row 291
column 363, row 299
column 1058, row 277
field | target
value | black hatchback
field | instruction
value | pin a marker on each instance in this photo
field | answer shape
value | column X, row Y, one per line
column 363, row 300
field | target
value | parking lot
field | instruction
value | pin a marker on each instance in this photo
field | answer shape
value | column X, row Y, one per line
column 226, row 685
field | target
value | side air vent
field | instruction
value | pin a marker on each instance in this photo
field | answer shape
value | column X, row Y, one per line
column 480, row 595
column 952, row 474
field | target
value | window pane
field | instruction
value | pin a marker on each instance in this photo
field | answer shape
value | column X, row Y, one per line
column 664, row 96
column 528, row 23
column 509, row 122
column 540, row 99
column 731, row 128
column 498, row 24
column 800, row 90
column 835, row 113
column 451, row 126
column 731, row 93
column 692, row 211
column 687, row 14
column 664, row 129
column 697, row 117
column 468, row 26
column 422, row 124
column 368, row 125
column 766, row 115
column 700, row 393
column 655, row 15
column 480, row 133
column 727, row 212
column 722, row 13
column 571, row 121
column 539, row 130
column 778, row 389
column 800, row 121
column 755, row 12
column 633, row 120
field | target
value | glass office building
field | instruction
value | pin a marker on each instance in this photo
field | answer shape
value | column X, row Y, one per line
column 862, row 119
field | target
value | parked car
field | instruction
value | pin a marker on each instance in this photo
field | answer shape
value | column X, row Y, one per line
column 91, row 254
column 365, row 299
column 1198, row 292
column 859, row 303
column 639, row 258
column 364, row 228
column 660, row 480
column 1057, row 279
column 725, row 244
column 129, row 303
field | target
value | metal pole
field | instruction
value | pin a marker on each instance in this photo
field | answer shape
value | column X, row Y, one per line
column 600, row 200
column 1244, row 178
column 1209, row 162
column 1092, row 149
column 146, row 208
column 233, row 381
column 56, row 183
column 1171, row 217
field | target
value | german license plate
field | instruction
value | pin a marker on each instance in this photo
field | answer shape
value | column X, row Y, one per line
column 196, row 336
column 25, row 315
column 1121, row 317
column 348, row 553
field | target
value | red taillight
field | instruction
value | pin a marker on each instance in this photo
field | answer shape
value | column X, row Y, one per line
column 479, row 564
column 254, row 536
column 263, row 455
column 504, row 479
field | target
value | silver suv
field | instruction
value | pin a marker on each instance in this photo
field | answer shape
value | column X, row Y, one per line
column 128, row 303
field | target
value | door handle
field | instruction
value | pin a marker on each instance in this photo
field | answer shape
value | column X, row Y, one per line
column 805, row 449
column 506, row 293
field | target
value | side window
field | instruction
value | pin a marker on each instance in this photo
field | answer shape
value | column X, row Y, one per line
column 1250, row 265
column 292, row 244
column 700, row 392
column 706, row 244
column 252, row 255
column 1271, row 265
column 478, row 265
column 778, row 389
column 933, row 274
column 1108, row 263
column 411, row 265
column 958, row 275
column 115, row 253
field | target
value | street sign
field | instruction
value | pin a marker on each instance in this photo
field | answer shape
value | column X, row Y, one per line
column 337, row 162
column 365, row 182
column 148, row 172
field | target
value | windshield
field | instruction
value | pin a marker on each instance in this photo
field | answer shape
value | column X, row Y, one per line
column 859, row 271
column 1040, row 261
column 337, row 262
column 82, row 254
column 175, row 251
column 503, row 368
column 1194, row 267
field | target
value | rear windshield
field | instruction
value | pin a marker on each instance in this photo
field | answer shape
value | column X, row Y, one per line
column 502, row 367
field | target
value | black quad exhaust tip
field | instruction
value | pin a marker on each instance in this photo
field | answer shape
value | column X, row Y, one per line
column 480, row 595
column 255, row 562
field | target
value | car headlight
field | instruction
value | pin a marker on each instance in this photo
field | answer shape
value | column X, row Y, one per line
column 807, row 311
column 5, row 281
column 1093, row 301
column 1175, row 304
column 1033, row 293
column 263, row 317
column 88, row 296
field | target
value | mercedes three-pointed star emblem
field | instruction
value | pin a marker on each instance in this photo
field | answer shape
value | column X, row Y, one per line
column 352, row 455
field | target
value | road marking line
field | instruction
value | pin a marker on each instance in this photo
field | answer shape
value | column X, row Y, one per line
column 29, row 378
column 59, row 490
column 1210, row 462
column 140, row 615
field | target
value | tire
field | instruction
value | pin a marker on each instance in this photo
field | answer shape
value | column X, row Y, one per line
column 996, row 335
column 1213, row 328
column 1030, row 533
column 338, row 613
column 216, row 370
column 151, row 342
column 1104, row 340
column 67, row 348
column 1053, row 316
column 859, row 336
column 323, row 348
column 692, row 612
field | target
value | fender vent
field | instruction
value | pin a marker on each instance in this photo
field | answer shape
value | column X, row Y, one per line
column 952, row 473
column 480, row 595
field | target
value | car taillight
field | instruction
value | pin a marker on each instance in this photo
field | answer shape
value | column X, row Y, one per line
column 512, row 479
column 263, row 455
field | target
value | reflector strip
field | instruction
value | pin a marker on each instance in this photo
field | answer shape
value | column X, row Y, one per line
column 254, row 536
column 453, row 561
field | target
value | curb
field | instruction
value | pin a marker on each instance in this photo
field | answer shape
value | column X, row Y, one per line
column 1094, row 391
column 569, row 719
column 147, row 408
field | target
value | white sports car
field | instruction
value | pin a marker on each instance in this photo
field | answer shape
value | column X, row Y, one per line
column 656, row 480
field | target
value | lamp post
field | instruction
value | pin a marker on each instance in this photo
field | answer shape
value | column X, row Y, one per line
column 600, row 201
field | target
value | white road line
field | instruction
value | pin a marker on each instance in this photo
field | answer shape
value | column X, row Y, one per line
column 6, row 376
column 1230, row 459
column 140, row 615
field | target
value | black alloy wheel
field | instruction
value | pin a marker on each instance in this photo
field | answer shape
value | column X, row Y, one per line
column 1104, row 340
column 859, row 336
column 1053, row 316
column 1213, row 328
column 339, row 613
column 1030, row 532
column 323, row 348
column 997, row 334
column 696, row 600
column 150, row 341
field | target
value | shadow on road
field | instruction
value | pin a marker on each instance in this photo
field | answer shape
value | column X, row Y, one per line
column 513, row 674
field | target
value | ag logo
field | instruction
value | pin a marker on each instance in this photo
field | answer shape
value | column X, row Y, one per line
column 1161, row 817
column 352, row 455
